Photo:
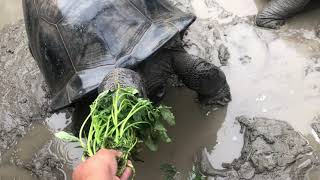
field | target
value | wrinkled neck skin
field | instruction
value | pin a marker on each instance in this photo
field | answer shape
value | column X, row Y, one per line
column 124, row 78
column 156, row 71
column 277, row 11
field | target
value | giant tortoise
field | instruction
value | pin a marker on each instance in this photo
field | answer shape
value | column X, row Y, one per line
column 274, row 14
column 82, row 45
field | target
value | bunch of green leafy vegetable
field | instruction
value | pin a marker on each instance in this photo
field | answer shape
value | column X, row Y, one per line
column 121, row 120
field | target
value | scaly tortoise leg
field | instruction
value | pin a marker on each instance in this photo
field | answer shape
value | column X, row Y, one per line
column 203, row 77
column 276, row 12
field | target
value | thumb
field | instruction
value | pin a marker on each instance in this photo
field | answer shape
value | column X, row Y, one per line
column 126, row 174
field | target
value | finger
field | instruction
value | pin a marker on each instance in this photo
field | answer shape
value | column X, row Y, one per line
column 107, row 159
column 105, row 156
column 130, row 165
column 126, row 174
column 110, row 152
column 118, row 153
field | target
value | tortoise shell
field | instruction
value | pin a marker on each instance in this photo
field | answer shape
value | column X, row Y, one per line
column 77, row 42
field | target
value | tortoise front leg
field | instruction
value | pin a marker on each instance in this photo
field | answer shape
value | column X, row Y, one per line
column 277, row 11
column 203, row 77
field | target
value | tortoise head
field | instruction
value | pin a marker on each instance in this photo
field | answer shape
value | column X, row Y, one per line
column 123, row 77
column 222, row 98
column 217, row 93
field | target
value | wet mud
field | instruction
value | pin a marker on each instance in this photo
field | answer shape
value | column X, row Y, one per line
column 24, row 104
column 11, row 11
column 272, row 73
column 23, row 92
column 272, row 150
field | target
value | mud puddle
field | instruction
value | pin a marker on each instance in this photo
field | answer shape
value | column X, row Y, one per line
column 22, row 153
column 195, row 128
column 13, row 172
column 273, row 74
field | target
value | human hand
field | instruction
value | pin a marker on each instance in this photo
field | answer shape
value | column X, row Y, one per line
column 102, row 166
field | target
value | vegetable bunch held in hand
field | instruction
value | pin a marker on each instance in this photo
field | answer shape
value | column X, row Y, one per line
column 121, row 120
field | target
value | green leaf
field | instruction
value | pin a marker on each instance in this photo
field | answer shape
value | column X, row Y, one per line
column 66, row 137
column 150, row 116
column 140, row 116
column 164, row 136
column 156, row 114
column 131, row 90
column 151, row 144
column 159, row 127
column 167, row 115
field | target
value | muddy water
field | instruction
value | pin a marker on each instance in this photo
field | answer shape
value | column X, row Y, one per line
column 196, row 128
column 12, row 172
column 271, row 73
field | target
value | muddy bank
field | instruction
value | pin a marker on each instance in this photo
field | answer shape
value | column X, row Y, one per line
column 23, row 92
column 24, row 105
column 272, row 150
